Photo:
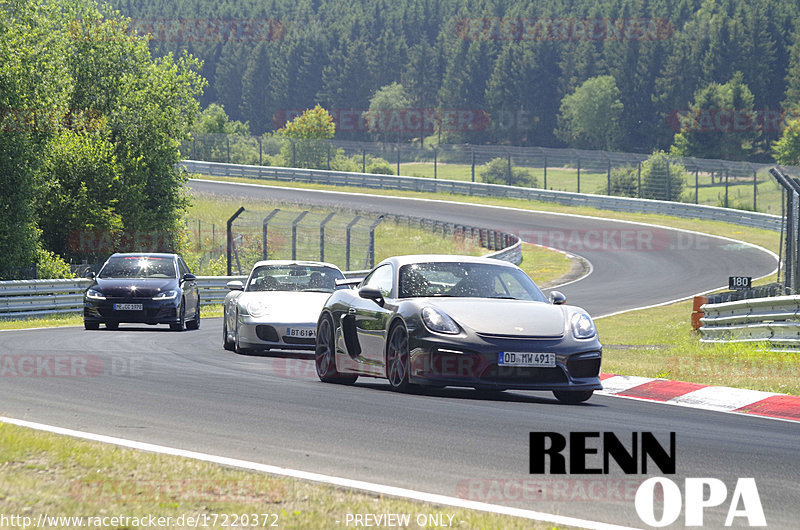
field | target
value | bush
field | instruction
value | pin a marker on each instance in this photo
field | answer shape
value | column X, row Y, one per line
column 655, row 172
column 380, row 167
column 624, row 182
column 496, row 172
column 51, row 266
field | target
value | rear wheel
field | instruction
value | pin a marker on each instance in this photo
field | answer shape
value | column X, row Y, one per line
column 112, row 325
column 180, row 325
column 91, row 325
column 325, row 355
column 573, row 396
column 398, row 360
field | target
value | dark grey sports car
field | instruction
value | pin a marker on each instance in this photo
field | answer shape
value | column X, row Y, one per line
column 457, row 321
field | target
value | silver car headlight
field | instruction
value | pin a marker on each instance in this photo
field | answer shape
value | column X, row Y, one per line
column 582, row 326
column 94, row 294
column 438, row 321
column 257, row 308
column 166, row 295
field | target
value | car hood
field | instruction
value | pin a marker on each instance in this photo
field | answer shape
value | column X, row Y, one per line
column 145, row 287
column 287, row 306
column 520, row 318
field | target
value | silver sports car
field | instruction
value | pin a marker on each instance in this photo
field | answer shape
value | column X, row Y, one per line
column 279, row 305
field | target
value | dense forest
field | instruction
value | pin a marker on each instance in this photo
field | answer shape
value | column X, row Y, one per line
column 514, row 61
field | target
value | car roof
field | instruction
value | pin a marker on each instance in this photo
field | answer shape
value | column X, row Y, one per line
column 443, row 258
column 285, row 262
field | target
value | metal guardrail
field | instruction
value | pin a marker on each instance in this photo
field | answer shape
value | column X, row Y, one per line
column 775, row 321
column 30, row 298
column 376, row 181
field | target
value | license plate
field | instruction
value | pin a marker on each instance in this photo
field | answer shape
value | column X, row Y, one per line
column 515, row 358
column 128, row 307
column 301, row 332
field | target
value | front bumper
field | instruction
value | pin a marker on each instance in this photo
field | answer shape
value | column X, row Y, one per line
column 263, row 334
column 472, row 361
column 152, row 312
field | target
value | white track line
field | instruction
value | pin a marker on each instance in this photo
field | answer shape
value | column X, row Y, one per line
column 324, row 479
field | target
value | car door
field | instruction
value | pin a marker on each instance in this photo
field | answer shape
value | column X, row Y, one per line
column 191, row 292
column 368, row 320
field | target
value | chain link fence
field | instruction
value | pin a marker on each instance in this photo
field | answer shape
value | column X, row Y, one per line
column 731, row 184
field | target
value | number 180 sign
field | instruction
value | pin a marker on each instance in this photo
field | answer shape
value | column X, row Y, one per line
column 737, row 283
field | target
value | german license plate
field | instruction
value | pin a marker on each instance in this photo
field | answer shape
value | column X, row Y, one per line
column 301, row 332
column 128, row 307
column 515, row 358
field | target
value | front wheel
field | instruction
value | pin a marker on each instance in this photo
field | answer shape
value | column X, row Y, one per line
column 227, row 344
column 325, row 355
column 195, row 322
column 180, row 325
column 91, row 325
column 398, row 360
column 573, row 396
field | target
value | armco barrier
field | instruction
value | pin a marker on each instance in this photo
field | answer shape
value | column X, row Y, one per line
column 770, row 320
column 391, row 182
column 28, row 298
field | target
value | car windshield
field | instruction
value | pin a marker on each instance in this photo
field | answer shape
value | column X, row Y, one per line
column 294, row 278
column 471, row 280
column 138, row 267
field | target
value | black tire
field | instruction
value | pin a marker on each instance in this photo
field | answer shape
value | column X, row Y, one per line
column 180, row 325
column 325, row 356
column 227, row 344
column 195, row 322
column 91, row 325
column 237, row 348
column 398, row 360
column 112, row 325
column 573, row 396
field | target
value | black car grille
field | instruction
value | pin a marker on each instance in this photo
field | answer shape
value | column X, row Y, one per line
column 266, row 333
column 584, row 367
column 299, row 340
column 514, row 374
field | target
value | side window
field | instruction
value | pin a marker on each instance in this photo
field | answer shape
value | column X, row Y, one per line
column 381, row 278
column 182, row 267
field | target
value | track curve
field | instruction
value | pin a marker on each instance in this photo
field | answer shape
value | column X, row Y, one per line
column 184, row 390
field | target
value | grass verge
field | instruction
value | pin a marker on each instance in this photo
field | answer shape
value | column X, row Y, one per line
column 58, row 476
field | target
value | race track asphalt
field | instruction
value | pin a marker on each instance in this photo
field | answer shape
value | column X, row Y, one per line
column 183, row 390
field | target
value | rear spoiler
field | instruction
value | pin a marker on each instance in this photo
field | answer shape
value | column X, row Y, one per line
column 348, row 281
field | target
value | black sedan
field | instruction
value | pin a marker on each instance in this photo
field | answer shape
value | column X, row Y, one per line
column 457, row 321
column 142, row 288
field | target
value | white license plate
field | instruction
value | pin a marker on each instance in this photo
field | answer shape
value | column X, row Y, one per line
column 301, row 332
column 128, row 307
column 516, row 358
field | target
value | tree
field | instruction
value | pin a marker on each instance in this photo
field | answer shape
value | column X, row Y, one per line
column 720, row 123
column 305, row 132
column 787, row 149
column 589, row 117
column 387, row 110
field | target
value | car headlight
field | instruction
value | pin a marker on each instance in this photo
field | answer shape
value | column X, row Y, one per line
column 438, row 321
column 582, row 326
column 166, row 295
column 94, row 294
column 257, row 308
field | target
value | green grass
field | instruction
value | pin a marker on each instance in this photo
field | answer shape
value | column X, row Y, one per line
column 43, row 473
column 49, row 321
column 668, row 347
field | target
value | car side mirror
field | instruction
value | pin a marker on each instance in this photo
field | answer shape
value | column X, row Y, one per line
column 189, row 277
column 91, row 275
column 235, row 285
column 371, row 293
column 557, row 298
